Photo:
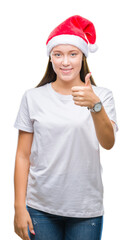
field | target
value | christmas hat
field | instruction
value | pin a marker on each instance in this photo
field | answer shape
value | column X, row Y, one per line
column 77, row 31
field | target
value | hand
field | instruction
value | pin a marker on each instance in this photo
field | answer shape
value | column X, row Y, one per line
column 84, row 95
column 21, row 221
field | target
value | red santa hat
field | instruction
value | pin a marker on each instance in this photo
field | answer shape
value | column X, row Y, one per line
column 77, row 31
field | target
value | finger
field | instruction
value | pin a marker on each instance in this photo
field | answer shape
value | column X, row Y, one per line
column 88, row 75
column 25, row 234
column 78, row 98
column 77, row 88
column 31, row 226
column 78, row 94
column 87, row 79
column 19, row 233
column 81, row 104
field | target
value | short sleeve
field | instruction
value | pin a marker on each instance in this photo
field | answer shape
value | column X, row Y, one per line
column 109, row 106
column 23, row 121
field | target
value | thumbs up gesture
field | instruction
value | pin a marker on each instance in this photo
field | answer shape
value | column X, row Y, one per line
column 84, row 96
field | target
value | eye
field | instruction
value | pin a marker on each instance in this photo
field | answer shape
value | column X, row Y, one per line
column 73, row 54
column 57, row 54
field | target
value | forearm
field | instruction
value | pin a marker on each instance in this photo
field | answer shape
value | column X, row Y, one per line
column 20, row 181
column 104, row 129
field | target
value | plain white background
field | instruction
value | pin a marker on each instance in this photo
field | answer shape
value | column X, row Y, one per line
column 25, row 26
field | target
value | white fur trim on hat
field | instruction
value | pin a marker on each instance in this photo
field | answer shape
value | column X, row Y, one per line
column 68, row 39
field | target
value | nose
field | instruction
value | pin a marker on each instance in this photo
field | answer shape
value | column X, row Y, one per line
column 65, row 60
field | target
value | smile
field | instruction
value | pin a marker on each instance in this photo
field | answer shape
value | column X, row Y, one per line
column 66, row 70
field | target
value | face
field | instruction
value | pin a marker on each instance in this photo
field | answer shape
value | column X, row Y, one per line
column 66, row 61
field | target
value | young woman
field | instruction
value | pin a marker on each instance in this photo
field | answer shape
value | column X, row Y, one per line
column 61, row 122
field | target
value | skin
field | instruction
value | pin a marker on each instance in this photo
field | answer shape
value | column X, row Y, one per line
column 22, row 218
column 66, row 56
column 69, row 56
column 84, row 96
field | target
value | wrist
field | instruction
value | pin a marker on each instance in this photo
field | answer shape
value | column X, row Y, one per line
column 97, row 105
column 96, row 100
column 19, row 205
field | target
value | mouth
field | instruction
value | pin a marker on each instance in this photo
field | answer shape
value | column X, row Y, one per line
column 66, row 70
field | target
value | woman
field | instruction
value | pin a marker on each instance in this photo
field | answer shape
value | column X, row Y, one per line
column 61, row 122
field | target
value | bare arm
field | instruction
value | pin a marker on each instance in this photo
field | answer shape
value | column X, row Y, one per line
column 22, row 167
column 104, row 129
column 22, row 218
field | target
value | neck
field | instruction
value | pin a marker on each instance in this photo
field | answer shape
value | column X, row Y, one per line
column 67, row 85
column 64, row 87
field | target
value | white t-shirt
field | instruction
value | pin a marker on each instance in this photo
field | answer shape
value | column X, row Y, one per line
column 65, row 170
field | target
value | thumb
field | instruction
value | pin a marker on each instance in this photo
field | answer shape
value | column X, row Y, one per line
column 87, row 79
column 31, row 226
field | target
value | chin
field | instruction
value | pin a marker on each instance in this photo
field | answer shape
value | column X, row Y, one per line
column 67, row 77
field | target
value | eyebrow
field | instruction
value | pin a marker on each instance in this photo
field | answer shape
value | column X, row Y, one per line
column 61, row 51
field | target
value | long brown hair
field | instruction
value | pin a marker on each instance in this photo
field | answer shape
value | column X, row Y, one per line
column 50, row 75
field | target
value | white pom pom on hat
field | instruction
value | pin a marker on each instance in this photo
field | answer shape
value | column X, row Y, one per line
column 75, row 30
column 92, row 48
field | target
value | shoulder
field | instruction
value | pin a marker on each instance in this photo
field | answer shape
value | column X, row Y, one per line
column 35, row 92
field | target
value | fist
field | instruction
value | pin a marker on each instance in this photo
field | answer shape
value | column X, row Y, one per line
column 84, row 96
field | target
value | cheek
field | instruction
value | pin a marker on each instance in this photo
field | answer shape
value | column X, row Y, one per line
column 77, row 62
column 77, row 65
column 55, row 66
